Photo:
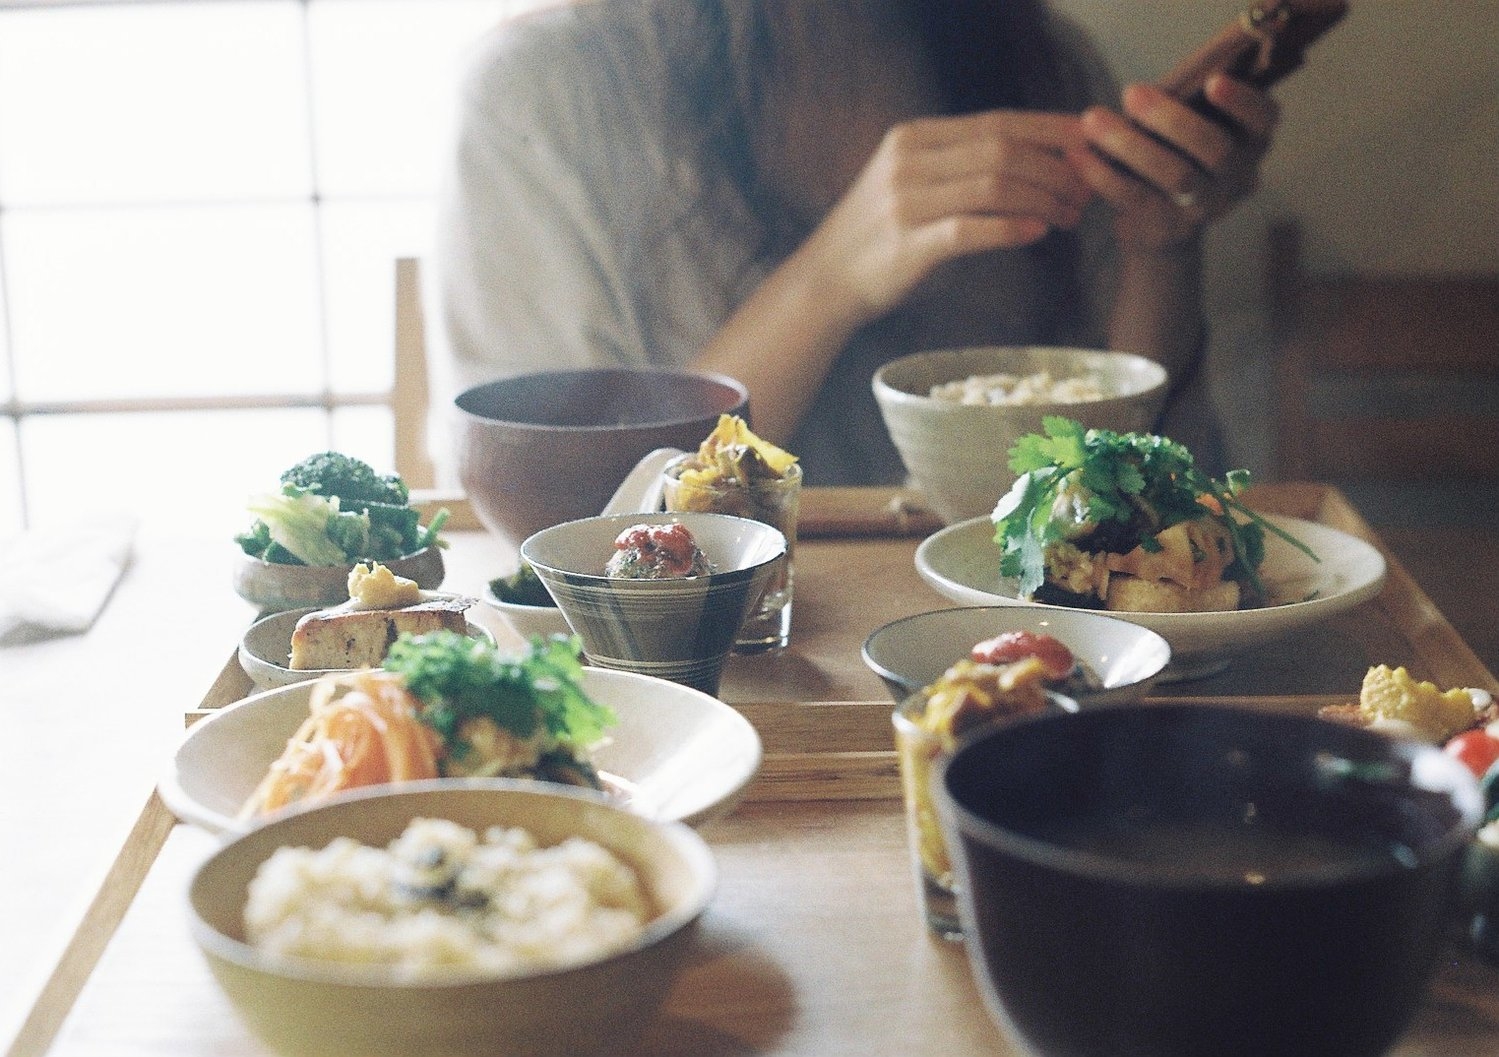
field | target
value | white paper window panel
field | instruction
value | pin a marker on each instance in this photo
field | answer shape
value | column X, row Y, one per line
column 385, row 82
column 166, row 102
column 208, row 300
column 154, row 102
column 361, row 242
column 5, row 388
column 182, row 473
column 154, row 301
column 10, row 484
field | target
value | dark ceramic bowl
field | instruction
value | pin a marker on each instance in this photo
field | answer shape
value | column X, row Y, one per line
column 540, row 449
column 1189, row 880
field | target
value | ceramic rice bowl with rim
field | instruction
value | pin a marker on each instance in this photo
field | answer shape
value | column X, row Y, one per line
column 958, row 455
column 301, row 1007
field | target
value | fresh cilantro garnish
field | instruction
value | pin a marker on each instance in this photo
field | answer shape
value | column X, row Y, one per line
column 457, row 677
column 1129, row 487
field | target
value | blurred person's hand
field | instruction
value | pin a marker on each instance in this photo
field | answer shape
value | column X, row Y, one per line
column 941, row 188
column 1170, row 192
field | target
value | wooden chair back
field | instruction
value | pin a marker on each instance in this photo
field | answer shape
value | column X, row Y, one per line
column 409, row 395
column 1383, row 377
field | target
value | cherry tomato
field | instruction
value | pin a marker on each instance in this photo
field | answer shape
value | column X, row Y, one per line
column 1477, row 749
column 1017, row 645
column 671, row 545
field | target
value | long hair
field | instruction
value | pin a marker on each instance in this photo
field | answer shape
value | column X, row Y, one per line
column 726, row 56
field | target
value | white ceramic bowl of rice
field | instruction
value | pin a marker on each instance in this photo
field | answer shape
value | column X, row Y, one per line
column 452, row 917
column 954, row 414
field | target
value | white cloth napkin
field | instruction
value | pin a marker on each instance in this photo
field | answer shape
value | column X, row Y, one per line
column 56, row 578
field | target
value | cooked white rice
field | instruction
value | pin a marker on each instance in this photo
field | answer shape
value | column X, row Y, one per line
column 439, row 899
column 1039, row 387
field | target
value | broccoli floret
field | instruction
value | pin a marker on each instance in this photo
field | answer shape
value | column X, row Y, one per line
column 257, row 543
column 522, row 588
column 354, row 482
column 256, row 540
column 394, row 530
column 351, row 533
column 301, row 521
column 334, row 509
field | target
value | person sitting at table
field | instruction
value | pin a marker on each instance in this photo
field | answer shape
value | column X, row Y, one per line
column 795, row 192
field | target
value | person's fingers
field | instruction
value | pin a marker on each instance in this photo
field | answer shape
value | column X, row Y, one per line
column 1253, row 110
column 1129, row 194
column 1204, row 141
column 1027, row 147
column 997, row 194
column 1173, row 174
column 1002, row 163
column 968, row 234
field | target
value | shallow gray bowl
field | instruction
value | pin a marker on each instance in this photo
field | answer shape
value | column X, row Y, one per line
column 913, row 652
column 527, row 621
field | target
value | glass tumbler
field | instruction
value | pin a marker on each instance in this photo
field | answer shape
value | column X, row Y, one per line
column 918, row 752
column 773, row 501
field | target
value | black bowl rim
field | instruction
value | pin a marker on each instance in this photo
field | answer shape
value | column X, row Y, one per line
column 663, row 373
column 1090, row 865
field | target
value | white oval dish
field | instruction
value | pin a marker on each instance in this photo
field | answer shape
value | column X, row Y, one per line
column 962, row 563
column 266, row 647
column 527, row 621
column 681, row 755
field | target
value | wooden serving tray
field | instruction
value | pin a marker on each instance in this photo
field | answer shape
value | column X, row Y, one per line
column 824, row 513
column 813, row 944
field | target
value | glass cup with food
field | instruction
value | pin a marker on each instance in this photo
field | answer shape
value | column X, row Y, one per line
column 735, row 472
column 928, row 726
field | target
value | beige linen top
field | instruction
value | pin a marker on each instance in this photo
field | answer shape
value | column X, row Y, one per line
column 574, row 235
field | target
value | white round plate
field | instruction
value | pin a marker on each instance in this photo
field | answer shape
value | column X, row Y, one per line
column 962, row 563
column 675, row 754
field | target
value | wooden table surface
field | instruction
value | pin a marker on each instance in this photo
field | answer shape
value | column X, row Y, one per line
column 813, row 944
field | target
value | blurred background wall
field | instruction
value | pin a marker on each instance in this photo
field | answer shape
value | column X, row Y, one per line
column 1388, row 155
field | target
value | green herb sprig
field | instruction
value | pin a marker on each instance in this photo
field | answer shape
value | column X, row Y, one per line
column 457, row 677
column 1134, row 485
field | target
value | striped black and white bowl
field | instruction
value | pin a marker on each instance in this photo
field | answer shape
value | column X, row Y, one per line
column 680, row 629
